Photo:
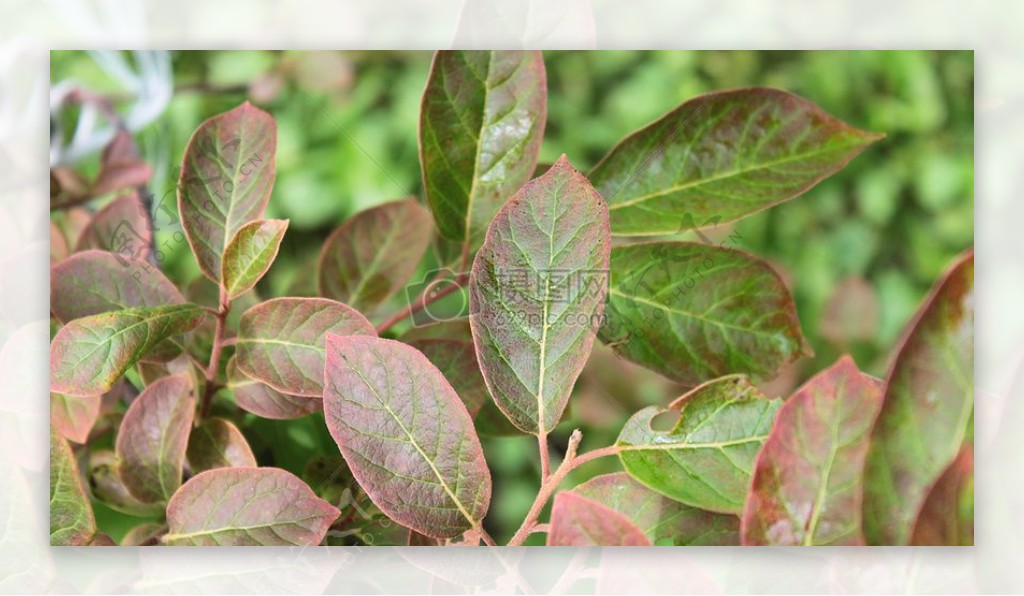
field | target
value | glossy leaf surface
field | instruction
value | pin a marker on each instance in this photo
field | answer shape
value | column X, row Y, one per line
column 406, row 436
column 250, row 253
column 71, row 518
column 217, row 443
column 536, row 294
column 705, row 458
column 247, row 507
column 281, row 341
column 374, row 253
column 722, row 156
column 808, row 478
column 579, row 521
column 226, row 178
column 94, row 282
column 153, row 437
column 88, row 355
column 662, row 520
column 481, row 125
column 694, row 312
column 927, row 411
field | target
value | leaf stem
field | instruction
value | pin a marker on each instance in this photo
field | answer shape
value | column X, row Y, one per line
column 570, row 463
column 424, row 300
column 218, row 346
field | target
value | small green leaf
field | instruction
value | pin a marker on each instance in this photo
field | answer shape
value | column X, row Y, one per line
column 720, row 157
column 928, row 409
column 536, row 293
column 693, row 312
column 250, row 253
column 217, row 443
column 373, row 254
column 265, row 401
column 226, row 176
column 579, row 521
column 281, row 341
column 153, row 436
column 706, row 457
column 94, row 282
column 247, row 507
column 406, row 436
column 809, row 475
column 662, row 520
column 481, row 125
column 71, row 519
column 88, row 355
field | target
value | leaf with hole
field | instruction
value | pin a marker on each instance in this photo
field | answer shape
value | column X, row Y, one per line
column 481, row 125
column 374, row 254
column 694, row 312
column 536, row 294
column 703, row 454
column 88, row 355
column 247, row 507
column 720, row 157
column 808, row 477
column 406, row 436
column 927, row 413
column 281, row 341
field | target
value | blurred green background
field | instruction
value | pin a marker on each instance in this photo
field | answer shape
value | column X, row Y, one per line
column 859, row 251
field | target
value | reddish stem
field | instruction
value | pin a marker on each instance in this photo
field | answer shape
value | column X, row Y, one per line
column 215, row 352
column 423, row 301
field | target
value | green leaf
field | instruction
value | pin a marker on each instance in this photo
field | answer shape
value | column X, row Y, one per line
column 662, row 520
column 947, row 516
column 481, row 125
column 217, row 443
column 121, row 227
column 406, row 436
column 536, row 293
column 694, row 312
column 71, row 519
column 94, row 282
column 74, row 417
column 265, row 401
column 250, row 253
column 247, row 507
column 808, row 477
column 153, row 436
column 705, row 458
column 928, row 409
column 579, row 521
column 226, row 177
column 281, row 341
column 720, row 157
column 373, row 254
column 88, row 355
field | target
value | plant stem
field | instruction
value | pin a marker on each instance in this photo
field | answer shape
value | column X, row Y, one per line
column 423, row 301
column 215, row 352
column 545, row 456
column 570, row 463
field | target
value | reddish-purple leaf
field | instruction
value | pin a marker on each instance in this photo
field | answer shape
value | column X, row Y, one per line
column 148, row 534
column 88, row 355
column 374, row 253
column 947, row 517
column 67, row 188
column 74, row 417
column 226, row 177
column 281, row 341
column 101, row 539
column 265, row 401
column 662, row 520
column 457, row 362
column 578, row 521
column 406, row 436
column 217, row 443
column 59, row 249
column 927, row 412
column 120, row 166
column 122, row 227
column 71, row 519
column 153, row 436
column 108, row 486
column 536, row 295
column 250, row 253
column 94, row 282
column 481, row 125
column 808, row 478
column 247, row 507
